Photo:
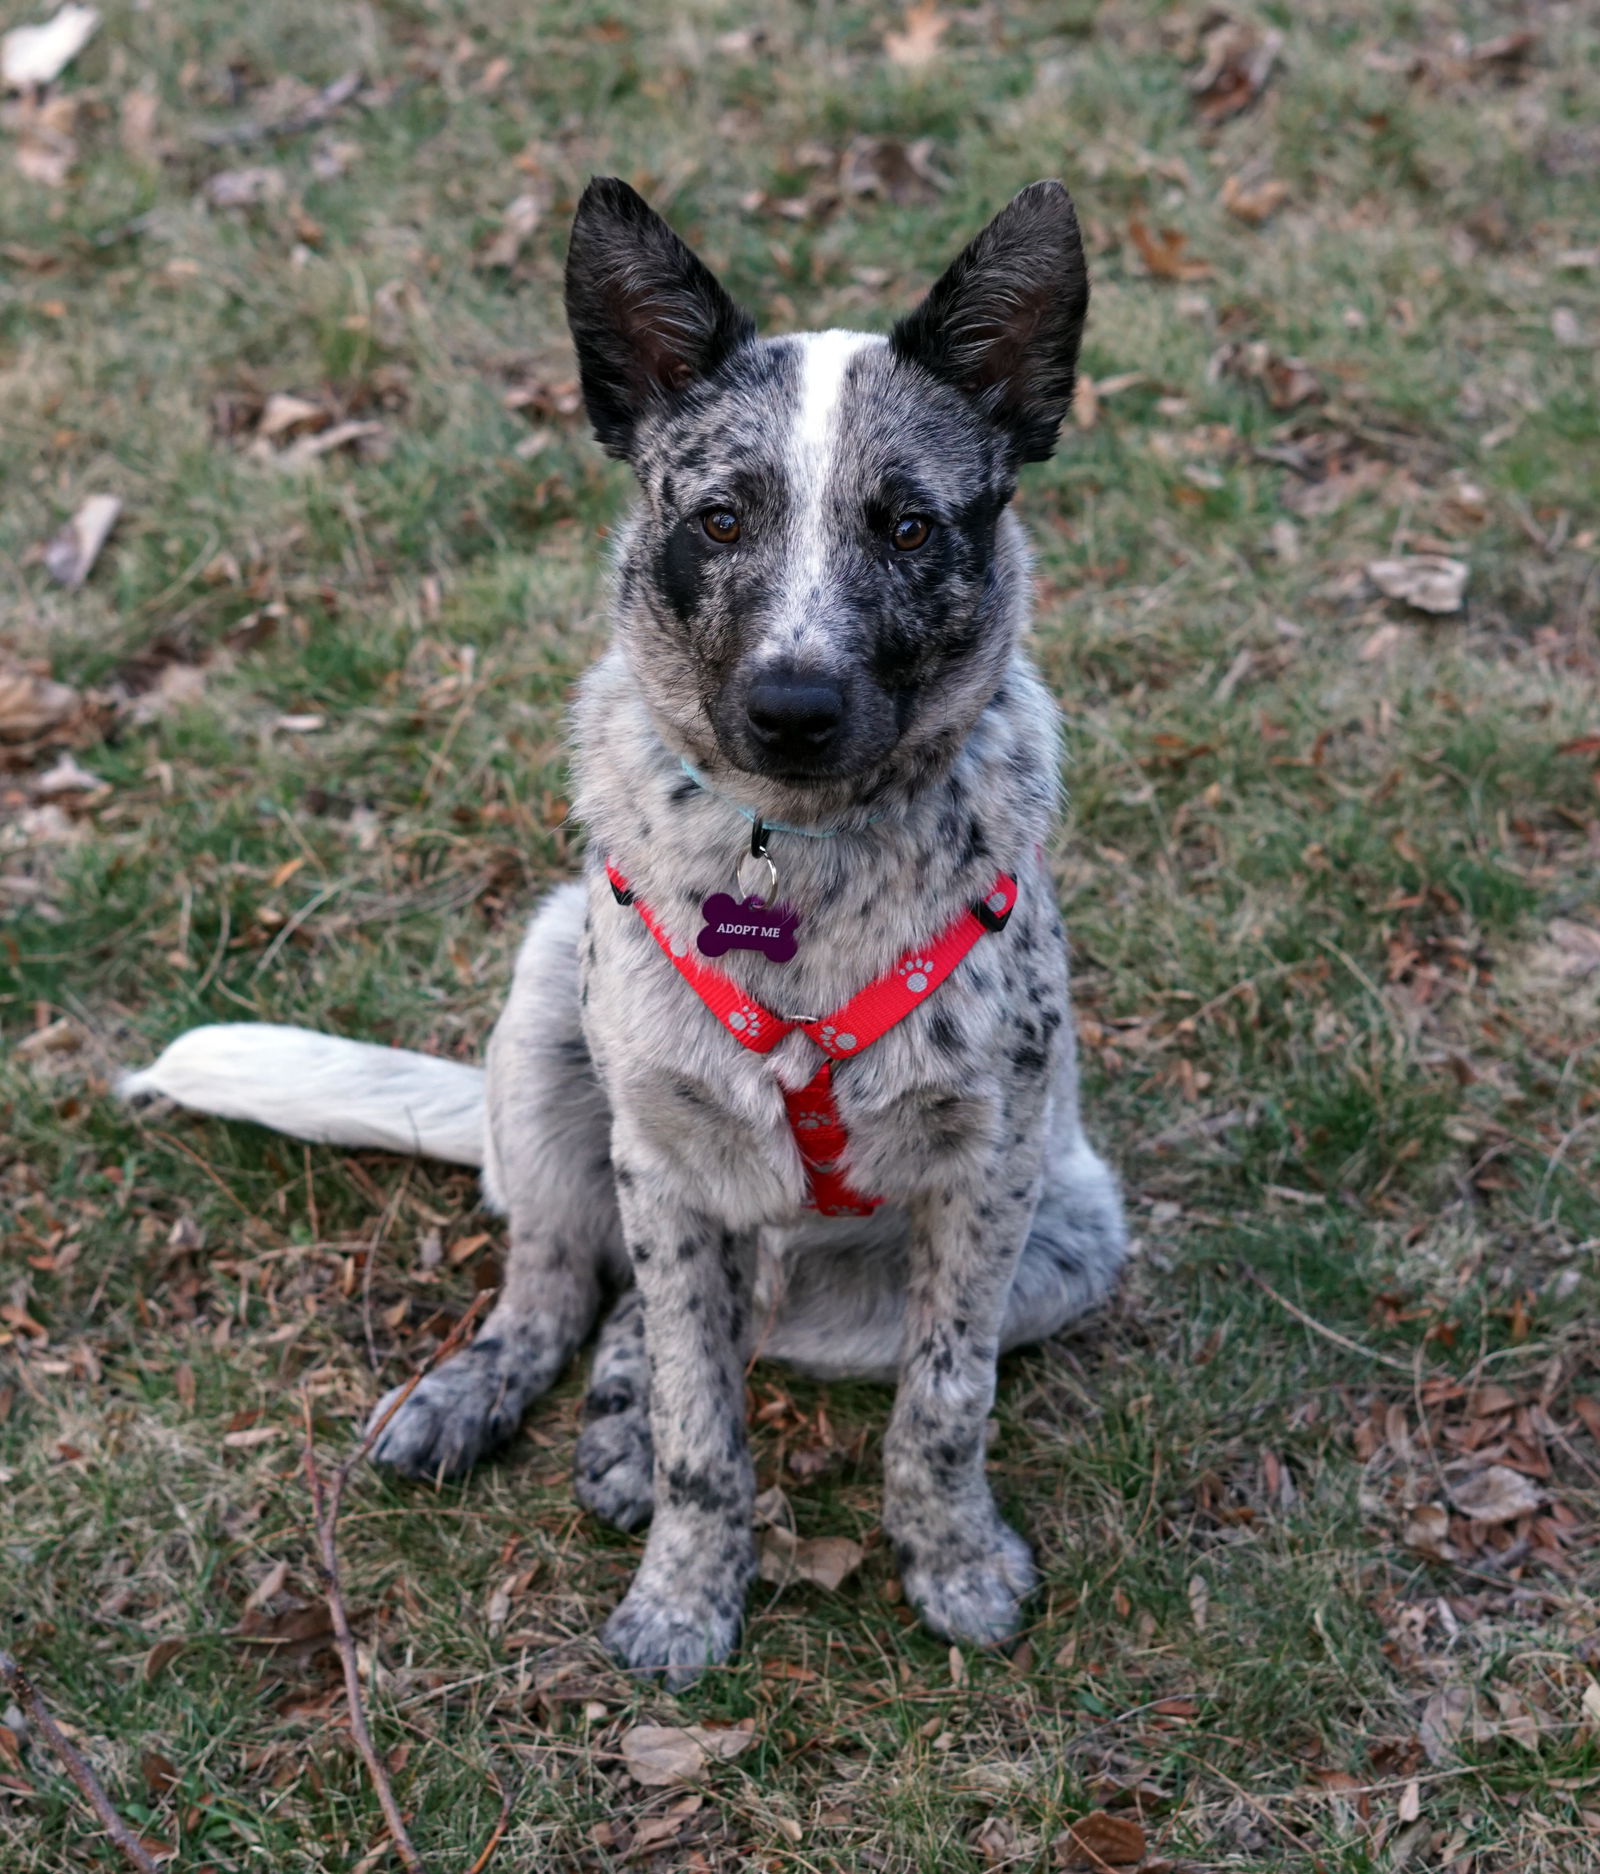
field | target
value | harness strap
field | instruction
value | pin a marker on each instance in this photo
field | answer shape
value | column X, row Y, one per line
column 865, row 1018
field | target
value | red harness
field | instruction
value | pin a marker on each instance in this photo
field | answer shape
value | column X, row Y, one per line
column 865, row 1018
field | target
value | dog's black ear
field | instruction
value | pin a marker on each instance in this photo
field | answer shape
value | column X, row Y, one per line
column 1002, row 323
column 647, row 316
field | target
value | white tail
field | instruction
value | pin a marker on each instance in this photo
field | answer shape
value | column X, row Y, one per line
column 321, row 1088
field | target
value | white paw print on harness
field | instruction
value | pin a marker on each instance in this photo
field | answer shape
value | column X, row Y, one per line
column 915, row 971
column 834, row 1041
column 745, row 1021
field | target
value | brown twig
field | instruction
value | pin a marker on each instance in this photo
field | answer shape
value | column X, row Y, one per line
column 499, row 1829
column 1328, row 1333
column 325, row 1512
column 76, row 1766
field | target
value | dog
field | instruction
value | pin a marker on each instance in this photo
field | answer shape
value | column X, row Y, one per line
column 818, row 733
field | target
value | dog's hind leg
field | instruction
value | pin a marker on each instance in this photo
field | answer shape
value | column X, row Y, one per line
column 616, row 1456
column 1075, row 1247
column 548, row 1165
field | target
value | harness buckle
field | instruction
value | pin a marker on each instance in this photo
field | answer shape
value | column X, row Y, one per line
column 991, row 919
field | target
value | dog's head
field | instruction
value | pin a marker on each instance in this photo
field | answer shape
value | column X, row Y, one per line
column 817, row 587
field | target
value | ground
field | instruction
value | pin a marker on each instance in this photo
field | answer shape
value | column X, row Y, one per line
column 1315, row 1501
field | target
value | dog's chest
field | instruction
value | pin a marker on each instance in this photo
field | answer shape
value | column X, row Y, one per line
column 928, row 1097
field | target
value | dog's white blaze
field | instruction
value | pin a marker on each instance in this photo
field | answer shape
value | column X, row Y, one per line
column 812, row 450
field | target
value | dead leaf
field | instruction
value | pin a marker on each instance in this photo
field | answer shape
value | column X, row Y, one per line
column 159, row 1773
column 1426, row 1530
column 65, row 777
column 1410, row 1806
column 252, row 1438
column 1163, row 253
column 1497, row 1494
column 1002, row 1845
column 1427, row 581
column 34, row 56
column 160, row 1656
column 1199, row 1600
column 1589, row 1705
column 917, row 43
column 46, row 148
column 32, row 705
column 892, row 170
column 1099, row 1841
column 62, row 1036
column 1237, row 62
column 825, row 1560
column 283, row 413
column 245, row 188
column 1254, row 202
column 24, row 1323
column 1516, row 1718
column 136, row 125
column 661, row 1756
column 517, row 223
column 1288, row 382
column 1444, row 1717
column 1566, row 329
column 1379, row 644
column 304, row 1628
column 1504, row 56
column 69, row 559
column 310, row 448
column 268, row 1587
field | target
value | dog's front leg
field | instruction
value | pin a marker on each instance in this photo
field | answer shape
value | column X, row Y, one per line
column 684, row 1609
column 963, row 1568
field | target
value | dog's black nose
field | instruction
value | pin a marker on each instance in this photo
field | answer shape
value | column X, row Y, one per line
column 795, row 712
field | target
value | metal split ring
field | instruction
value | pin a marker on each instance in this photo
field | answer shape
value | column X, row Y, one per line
column 744, row 869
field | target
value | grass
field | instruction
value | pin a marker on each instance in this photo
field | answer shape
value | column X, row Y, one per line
column 1329, row 871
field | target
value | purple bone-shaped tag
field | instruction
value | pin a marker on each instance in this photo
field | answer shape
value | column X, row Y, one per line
column 747, row 924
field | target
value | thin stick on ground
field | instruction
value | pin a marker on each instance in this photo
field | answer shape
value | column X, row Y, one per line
column 76, row 1766
column 325, row 1503
column 1328, row 1333
column 499, row 1828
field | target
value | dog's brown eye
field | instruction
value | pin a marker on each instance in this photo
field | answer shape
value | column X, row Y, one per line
column 910, row 532
column 721, row 525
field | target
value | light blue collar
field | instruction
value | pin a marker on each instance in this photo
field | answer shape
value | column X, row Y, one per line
column 755, row 819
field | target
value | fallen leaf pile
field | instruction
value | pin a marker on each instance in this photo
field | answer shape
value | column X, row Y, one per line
column 1477, row 1480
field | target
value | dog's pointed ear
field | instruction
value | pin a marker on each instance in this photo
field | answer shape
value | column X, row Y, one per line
column 1003, row 322
column 648, row 317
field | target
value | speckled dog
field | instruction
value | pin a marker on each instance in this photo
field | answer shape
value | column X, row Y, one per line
column 820, row 601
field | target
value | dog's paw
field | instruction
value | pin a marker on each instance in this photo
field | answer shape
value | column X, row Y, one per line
column 614, row 1468
column 457, row 1415
column 674, row 1635
column 972, row 1590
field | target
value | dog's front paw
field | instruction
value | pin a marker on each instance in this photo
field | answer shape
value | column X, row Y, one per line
column 970, row 1590
column 458, row 1414
column 676, row 1635
column 614, row 1469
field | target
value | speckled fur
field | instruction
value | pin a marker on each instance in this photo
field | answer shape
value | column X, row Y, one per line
column 635, row 1146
